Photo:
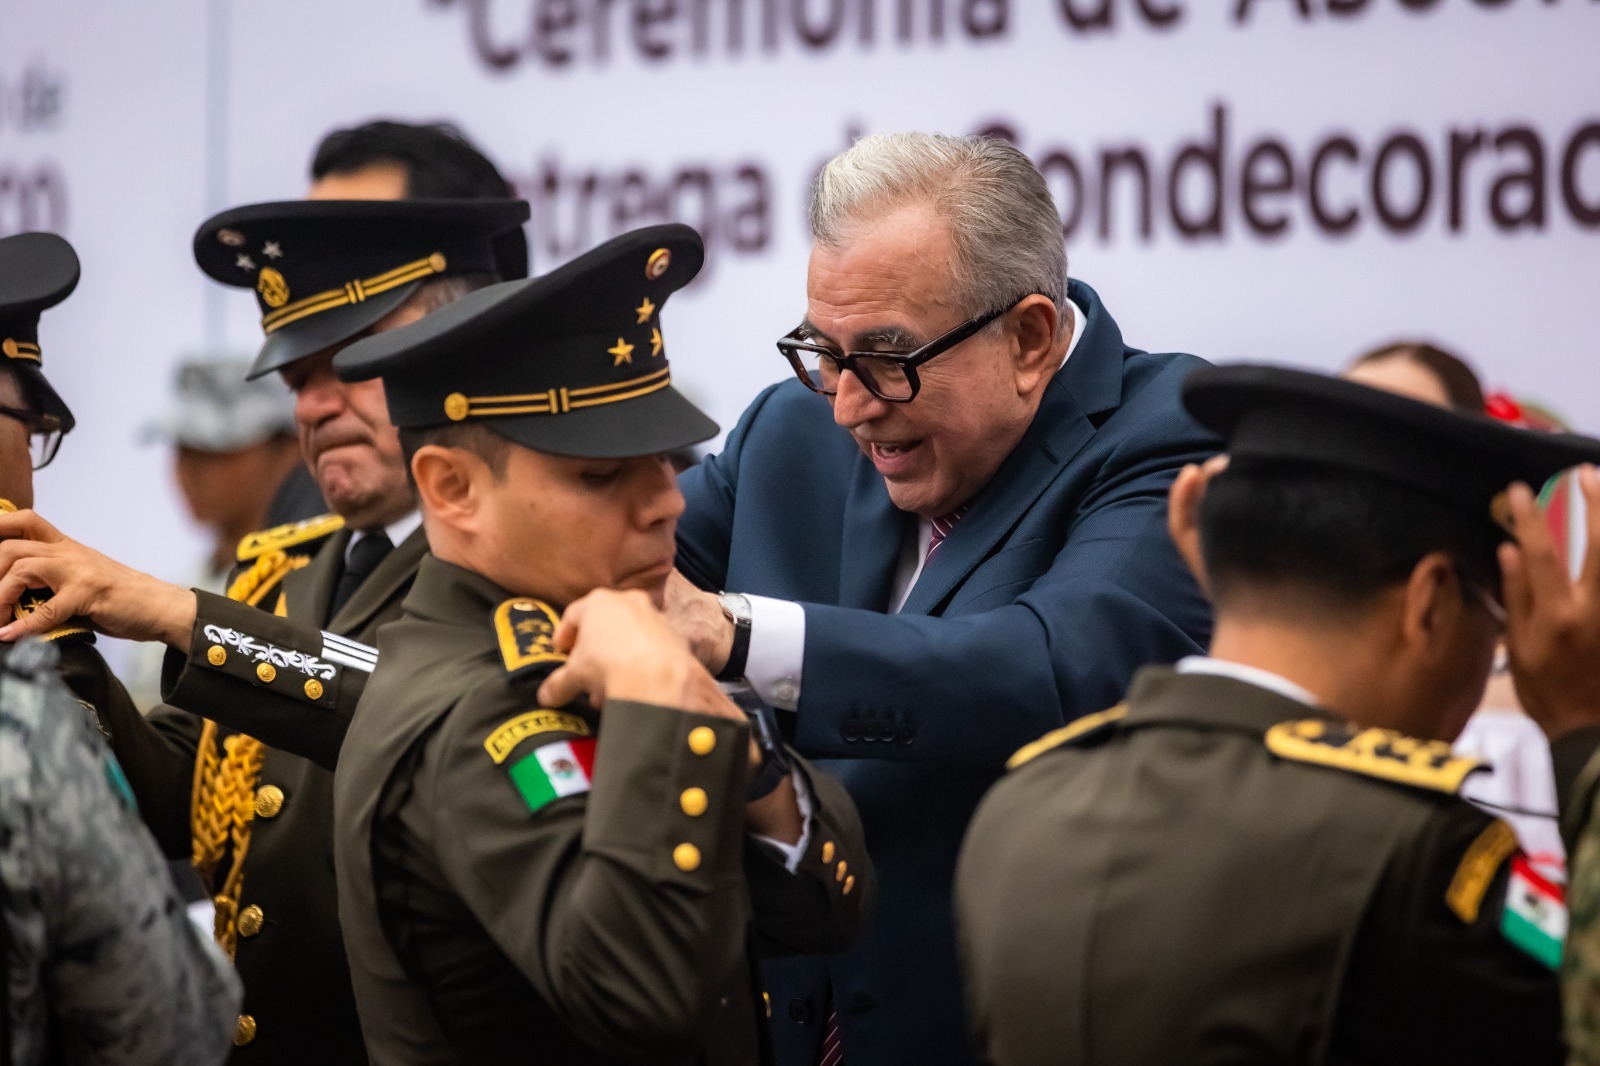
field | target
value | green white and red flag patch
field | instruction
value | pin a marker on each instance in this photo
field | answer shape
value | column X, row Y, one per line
column 1535, row 915
column 549, row 772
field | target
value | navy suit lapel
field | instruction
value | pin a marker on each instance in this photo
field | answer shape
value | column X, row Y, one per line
column 1089, row 383
column 874, row 529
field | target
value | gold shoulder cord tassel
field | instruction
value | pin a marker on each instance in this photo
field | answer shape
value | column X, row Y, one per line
column 222, row 800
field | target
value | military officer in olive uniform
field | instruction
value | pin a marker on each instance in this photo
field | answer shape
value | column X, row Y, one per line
column 524, row 875
column 1261, row 857
column 235, row 771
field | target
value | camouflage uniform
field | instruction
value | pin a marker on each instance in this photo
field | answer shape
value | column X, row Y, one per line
column 102, row 964
column 1579, row 787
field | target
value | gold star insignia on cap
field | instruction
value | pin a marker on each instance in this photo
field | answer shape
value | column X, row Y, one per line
column 623, row 351
column 655, row 342
column 644, row 311
column 272, row 250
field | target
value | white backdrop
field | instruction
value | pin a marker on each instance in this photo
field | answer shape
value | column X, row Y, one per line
column 1464, row 135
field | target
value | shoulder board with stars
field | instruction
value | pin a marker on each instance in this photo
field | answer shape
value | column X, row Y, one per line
column 288, row 536
column 526, row 629
column 74, row 630
column 1380, row 753
column 1081, row 731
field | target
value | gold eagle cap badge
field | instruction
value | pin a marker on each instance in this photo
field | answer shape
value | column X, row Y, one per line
column 526, row 629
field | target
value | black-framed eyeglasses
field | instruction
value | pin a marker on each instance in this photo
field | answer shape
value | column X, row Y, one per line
column 1486, row 598
column 890, row 376
column 44, row 433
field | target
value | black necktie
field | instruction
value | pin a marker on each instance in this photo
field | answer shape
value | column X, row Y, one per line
column 365, row 555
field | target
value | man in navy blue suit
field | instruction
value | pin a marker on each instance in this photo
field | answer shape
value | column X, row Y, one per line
column 946, row 538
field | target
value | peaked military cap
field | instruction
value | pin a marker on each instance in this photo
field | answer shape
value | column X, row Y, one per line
column 37, row 271
column 1273, row 415
column 571, row 363
column 325, row 270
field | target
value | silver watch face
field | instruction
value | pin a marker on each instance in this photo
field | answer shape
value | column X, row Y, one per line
column 735, row 606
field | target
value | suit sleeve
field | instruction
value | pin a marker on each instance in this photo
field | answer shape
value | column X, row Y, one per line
column 289, row 685
column 819, row 907
column 1020, row 658
column 626, row 911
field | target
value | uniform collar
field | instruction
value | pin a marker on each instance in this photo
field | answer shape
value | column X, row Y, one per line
column 1161, row 695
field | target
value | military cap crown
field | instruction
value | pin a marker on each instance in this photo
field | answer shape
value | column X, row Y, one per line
column 325, row 270
column 37, row 271
column 1275, row 415
column 572, row 362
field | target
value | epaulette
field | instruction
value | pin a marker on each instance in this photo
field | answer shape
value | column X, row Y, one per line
column 1080, row 731
column 288, row 536
column 1380, row 753
column 73, row 631
column 526, row 629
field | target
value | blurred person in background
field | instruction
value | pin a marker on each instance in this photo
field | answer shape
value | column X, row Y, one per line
column 101, row 965
column 233, row 444
column 388, row 160
column 1521, row 783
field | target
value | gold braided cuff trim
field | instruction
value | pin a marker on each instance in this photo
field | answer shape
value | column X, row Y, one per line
column 353, row 292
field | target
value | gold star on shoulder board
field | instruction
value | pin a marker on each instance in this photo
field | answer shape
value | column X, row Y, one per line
column 623, row 351
column 644, row 311
column 655, row 342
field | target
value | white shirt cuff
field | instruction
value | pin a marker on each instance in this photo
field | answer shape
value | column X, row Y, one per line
column 793, row 853
column 777, row 650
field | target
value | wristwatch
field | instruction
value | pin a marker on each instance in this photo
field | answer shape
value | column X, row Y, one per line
column 737, row 610
column 775, row 764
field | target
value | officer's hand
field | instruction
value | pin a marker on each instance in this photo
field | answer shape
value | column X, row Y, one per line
column 1553, row 622
column 1183, row 512
column 698, row 618
column 117, row 599
column 620, row 647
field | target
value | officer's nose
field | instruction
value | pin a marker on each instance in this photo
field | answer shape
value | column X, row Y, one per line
column 318, row 396
column 664, row 503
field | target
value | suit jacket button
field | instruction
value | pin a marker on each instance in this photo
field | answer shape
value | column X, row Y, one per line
column 908, row 733
column 800, row 1011
column 851, row 731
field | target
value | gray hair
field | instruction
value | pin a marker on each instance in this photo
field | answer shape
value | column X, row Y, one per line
column 1003, row 221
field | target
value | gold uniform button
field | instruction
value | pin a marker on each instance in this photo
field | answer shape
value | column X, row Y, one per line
column 314, row 689
column 702, row 741
column 269, row 801
column 215, row 655
column 244, row 1030
column 840, row 870
column 693, row 801
column 250, row 920
column 766, row 1000
column 456, row 406
column 266, row 673
column 687, row 857
column 849, row 884
column 827, row 851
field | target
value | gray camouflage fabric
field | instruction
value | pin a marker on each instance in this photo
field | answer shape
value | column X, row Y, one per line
column 103, row 966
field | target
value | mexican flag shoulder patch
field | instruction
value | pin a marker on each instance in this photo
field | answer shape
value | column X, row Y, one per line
column 551, row 771
column 1535, row 915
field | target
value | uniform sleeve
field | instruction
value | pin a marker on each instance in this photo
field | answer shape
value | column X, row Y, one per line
column 608, row 872
column 1456, row 961
column 156, row 752
column 130, row 979
column 818, row 908
column 1580, row 988
column 289, row 685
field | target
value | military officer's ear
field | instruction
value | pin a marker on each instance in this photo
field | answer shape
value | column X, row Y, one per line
column 449, row 481
column 1434, row 601
column 1183, row 513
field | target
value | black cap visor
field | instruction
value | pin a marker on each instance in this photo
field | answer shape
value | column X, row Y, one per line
column 320, row 331
column 44, row 396
column 663, row 421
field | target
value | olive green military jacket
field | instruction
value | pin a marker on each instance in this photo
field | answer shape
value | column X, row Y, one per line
column 560, row 886
column 274, row 668
column 1215, row 873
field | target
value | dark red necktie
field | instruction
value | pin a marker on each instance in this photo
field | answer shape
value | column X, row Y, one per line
column 831, row 1053
column 941, row 529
